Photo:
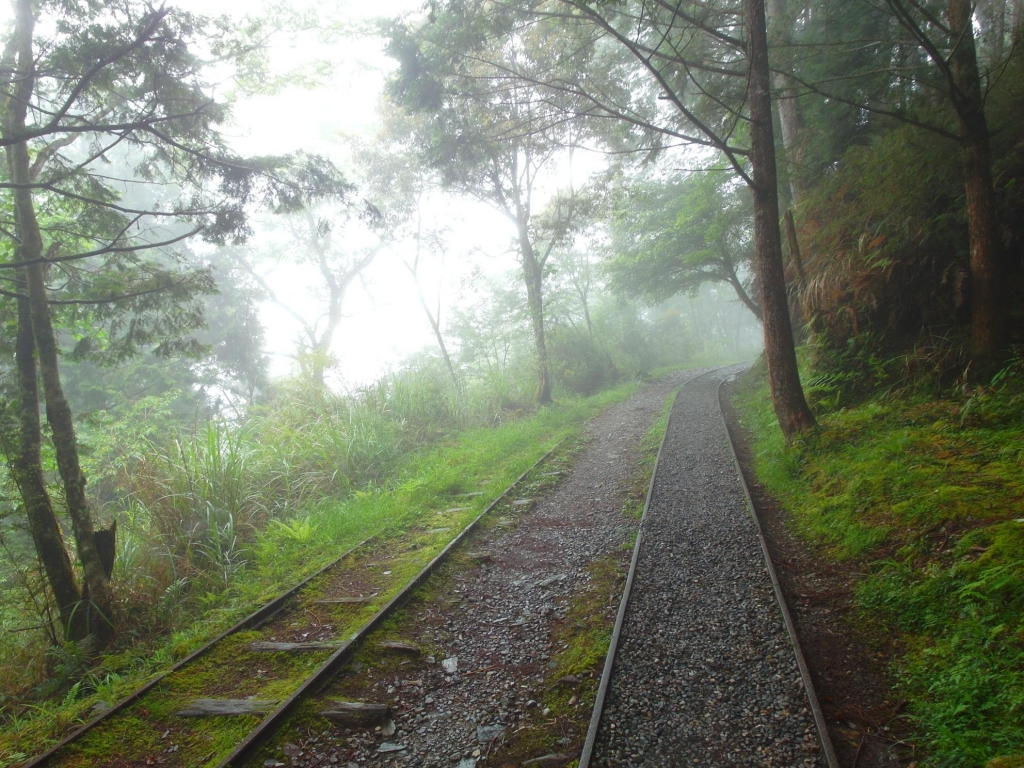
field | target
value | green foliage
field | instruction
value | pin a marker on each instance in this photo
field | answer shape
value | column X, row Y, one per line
column 886, row 251
column 883, row 226
column 578, row 363
column 925, row 496
column 672, row 236
column 962, row 620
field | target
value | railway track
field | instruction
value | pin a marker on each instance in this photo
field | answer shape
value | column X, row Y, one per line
column 283, row 660
column 427, row 691
column 727, row 696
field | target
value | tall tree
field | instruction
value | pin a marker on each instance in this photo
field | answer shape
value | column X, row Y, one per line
column 403, row 188
column 665, row 75
column 490, row 137
column 929, row 57
column 338, row 263
column 673, row 235
column 112, row 81
column 787, row 394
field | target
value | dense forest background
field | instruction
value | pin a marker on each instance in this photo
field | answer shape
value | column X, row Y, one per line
column 676, row 184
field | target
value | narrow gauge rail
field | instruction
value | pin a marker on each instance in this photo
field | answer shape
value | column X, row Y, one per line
column 275, row 609
column 589, row 755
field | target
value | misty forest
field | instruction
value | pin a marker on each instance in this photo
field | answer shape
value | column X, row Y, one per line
column 274, row 281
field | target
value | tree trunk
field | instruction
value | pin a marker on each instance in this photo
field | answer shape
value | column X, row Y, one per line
column 987, row 321
column 99, row 602
column 58, row 414
column 435, row 326
column 534, row 278
column 781, row 22
column 783, row 377
column 27, row 471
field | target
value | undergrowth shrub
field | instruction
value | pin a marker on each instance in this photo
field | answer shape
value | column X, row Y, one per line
column 578, row 363
column 886, row 252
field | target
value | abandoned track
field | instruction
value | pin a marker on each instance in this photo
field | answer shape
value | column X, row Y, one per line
column 470, row 669
column 264, row 625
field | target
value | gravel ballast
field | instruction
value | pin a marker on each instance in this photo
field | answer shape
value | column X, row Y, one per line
column 705, row 674
column 476, row 692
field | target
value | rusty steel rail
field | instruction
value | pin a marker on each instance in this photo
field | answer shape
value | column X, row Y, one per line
column 273, row 720
column 828, row 749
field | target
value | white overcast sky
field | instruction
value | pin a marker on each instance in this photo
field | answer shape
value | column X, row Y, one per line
column 383, row 322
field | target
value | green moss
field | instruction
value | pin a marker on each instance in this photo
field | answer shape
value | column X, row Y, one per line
column 924, row 497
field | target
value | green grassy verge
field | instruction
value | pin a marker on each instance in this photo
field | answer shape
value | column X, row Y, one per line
column 486, row 460
column 924, row 497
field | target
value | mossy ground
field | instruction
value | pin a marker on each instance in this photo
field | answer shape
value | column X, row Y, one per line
column 371, row 662
column 405, row 518
column 924, row 496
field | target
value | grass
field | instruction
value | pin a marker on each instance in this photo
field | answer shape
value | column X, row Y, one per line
column 423, row 481
column 923, row 496
column 581, row 638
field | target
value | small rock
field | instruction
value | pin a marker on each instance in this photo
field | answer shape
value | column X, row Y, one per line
column 291, row 750
column 389, row 728
column 568, row 680
column 272, row 763
column 550, row 580
column 486, row 733
column 450, row 665
column 400, row 647
column 389, row 747
column 467, row 762
column 100, row 707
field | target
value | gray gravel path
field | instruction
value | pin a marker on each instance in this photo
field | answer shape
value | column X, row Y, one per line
column 493, row 623
column 704, row 674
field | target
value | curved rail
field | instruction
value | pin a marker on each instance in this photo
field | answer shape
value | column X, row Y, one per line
column 824, row 739
column 270, row 609
column 620, row 617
